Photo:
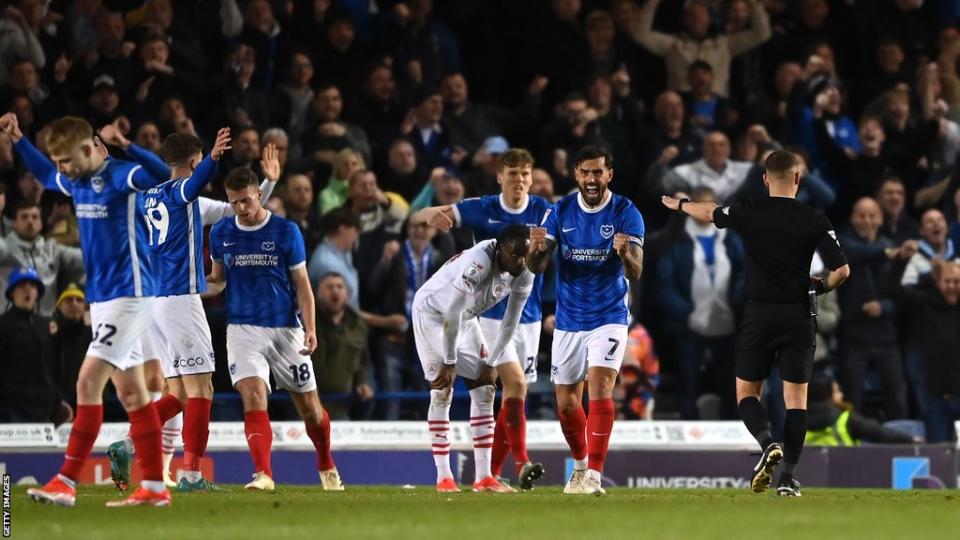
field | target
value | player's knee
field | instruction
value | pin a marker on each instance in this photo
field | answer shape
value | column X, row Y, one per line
column 154, row 381
column 443, row 381
column 88, row 391
column 566, row 404
column 132, row 398
column 514, row 388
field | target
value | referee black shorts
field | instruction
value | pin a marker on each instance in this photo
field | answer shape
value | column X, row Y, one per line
column 782, row 335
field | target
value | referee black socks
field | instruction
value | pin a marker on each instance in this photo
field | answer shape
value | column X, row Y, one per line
column 754, row 416
column 794, row 432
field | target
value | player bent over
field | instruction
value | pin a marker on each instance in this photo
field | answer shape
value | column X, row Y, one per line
column 450, row 343
column 600, row 237
column 119, row 286
column 486, row 216
column 270, row 323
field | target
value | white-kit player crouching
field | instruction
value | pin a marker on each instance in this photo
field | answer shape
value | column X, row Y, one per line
column 450, row 343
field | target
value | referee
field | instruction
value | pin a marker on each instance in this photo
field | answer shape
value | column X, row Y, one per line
column 780, row 236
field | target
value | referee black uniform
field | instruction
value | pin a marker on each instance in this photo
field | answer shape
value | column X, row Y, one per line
column 779, row 325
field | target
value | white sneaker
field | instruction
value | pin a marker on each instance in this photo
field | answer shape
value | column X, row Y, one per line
column 592, row 483
column 168, row 480
column 575, row 484
column 261, row 482
column 330, row 480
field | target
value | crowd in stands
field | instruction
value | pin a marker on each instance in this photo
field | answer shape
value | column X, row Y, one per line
column 380, row 108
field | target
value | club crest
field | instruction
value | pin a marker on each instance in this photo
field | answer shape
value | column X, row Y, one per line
column 606, row 231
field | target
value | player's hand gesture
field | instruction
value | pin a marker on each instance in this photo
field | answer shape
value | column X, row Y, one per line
column 110, row 134
column 538, row 239
column 271, row 162
column 309, row 343
column 441, row 221
column 621, row 244
column 221, row 144
column 670, row 202
column 10, row 125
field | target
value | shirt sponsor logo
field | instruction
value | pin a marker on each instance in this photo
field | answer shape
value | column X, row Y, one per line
column 92, row 211
column 251, row 259
column 606, row 231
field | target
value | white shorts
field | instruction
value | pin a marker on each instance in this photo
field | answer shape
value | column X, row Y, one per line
column 255, row 351
column 180, row 336
column 574, row 352
column 428, row 336
column 118, row 326
column 522, row 349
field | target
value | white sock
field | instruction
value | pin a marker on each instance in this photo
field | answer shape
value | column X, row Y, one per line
column 67, row 481
column 154, row 396
column 192, row 476
column 438, row 418
column 171, row 436
column 156, row 486
column 579, row 464
column 481, row 427
column 128, row 444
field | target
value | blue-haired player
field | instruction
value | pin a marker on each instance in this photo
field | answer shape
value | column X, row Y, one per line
column 113, row 238
column 487, row 216
column 600, row 238
column 271, row 323
column 179, row 342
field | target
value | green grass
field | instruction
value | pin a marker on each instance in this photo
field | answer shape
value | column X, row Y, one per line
column 392, row 513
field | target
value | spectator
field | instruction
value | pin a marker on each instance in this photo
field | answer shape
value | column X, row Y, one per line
column 234, row 99
column 148, row 136
column 70, row 337
column 470, row 124
column 403, row 174
column 27, row 391
column 430, row 138
column 897, row 224
column 184, row 39
column 868, row 332
column 675, row 143
column 701, row 279
column 379, row 110
column 482, row 179
column 423, row 46
column 18, row 42
column 574, row 127
column 936, row 312
column 327, row 133
column 294, row 96
column 619, row 121
column 771, row 109
column 340, row 52
column 715, row 171
column 639, row 377
column 335, row 253
column 262, row 32
column 708, row 110
column 542, row 185
column 159, row 80
column 299, row 208
column 888, row 71
column 696, row 43
column 444, row 188
column 341, row 360
column 346, row 162
column 833, row 422
column 374, row 208
column 24, row 247
column 103, row 105
column 933, row 244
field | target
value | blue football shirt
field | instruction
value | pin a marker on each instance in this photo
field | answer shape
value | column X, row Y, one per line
column 257, row 262
column 591, row 286
column 487, row 216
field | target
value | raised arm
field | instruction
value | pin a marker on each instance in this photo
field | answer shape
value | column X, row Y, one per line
column 631, row 254
column 655, row 42
column 698, row 210
column 37, row 163
column 541, row 248
column 440, row 217
column 758, row 32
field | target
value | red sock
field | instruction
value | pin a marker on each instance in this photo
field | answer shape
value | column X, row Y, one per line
column 320, row 435
column 196, row 429
column 501, row 446
column 516, row 427
column 599, row 426
column 145, row 429
column 167, row 407
column 256, row 424
column 574, row 426
column 86, row 427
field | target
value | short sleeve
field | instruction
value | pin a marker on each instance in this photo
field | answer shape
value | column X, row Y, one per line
column 631, row 224
column 469, row 213
column 473, row 272
column 296, row 252
column 216, row 252
column 829, row 246
column 550, row 223
column 728, row 216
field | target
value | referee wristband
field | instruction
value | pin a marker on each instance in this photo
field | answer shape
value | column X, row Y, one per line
column 680, row 204
column 820, row 287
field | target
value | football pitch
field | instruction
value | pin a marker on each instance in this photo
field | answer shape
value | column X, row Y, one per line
column 393, row 513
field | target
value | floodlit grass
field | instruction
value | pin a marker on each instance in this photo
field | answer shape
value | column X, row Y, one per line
column 393, row 513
